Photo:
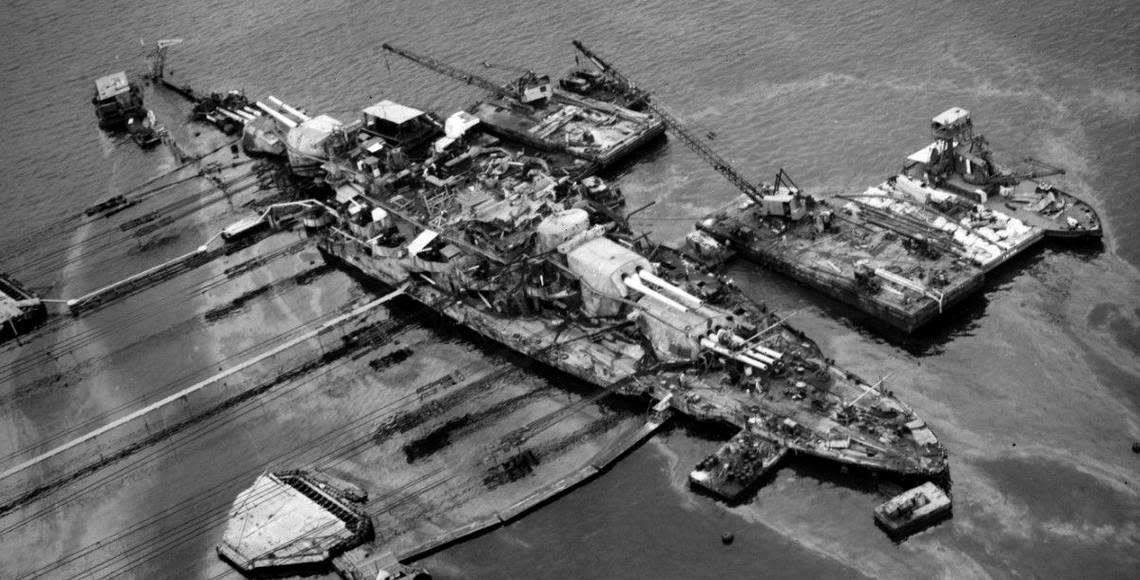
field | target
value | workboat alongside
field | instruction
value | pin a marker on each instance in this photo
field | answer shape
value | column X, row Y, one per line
column 913, row 510
column 525, row 258
column 960, row 162
column 738, row 465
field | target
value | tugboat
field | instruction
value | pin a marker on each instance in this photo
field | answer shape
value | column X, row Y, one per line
column 514, row 249
column 960, row 162
column 913, row 510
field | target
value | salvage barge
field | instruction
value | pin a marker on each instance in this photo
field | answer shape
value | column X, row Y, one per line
column 532, row 111
column 898, row 251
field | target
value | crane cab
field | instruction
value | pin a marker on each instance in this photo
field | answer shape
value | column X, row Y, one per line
column 786, row 205
column 534, row 88
column 783, row 199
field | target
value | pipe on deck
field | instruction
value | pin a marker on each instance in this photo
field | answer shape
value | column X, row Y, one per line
column 285, row 107
column 713, row 346
column 277, row 115
column 692, row 301
column 633, row 281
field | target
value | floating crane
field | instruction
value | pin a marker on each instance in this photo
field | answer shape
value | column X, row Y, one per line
column 768, row 198
column 528, row 89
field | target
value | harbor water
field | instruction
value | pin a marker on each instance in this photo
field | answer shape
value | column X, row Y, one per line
column 1033, row 386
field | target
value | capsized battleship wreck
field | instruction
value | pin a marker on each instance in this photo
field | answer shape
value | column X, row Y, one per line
column 528, row 258
column 962, row 163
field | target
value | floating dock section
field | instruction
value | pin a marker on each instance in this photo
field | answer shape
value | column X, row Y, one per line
column 292, row 521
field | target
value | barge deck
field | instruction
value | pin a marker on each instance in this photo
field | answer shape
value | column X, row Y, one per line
column 864, row 256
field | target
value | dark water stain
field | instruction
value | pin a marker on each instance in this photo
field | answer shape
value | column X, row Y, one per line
column 1054, row 491
column 1113, row 377
column 1056, row 494
column 1123, row 325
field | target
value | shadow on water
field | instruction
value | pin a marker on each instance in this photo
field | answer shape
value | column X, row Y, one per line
column 1085, row 249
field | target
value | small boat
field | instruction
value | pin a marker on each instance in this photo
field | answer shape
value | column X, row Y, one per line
column 912, row 510
column 144, row 130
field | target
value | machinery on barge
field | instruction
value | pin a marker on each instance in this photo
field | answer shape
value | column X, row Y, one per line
column 962, row 163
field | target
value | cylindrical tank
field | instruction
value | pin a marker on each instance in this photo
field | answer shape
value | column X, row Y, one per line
column 314, row 218
column 559, row 227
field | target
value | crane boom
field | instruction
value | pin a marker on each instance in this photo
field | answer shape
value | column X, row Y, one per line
column 453, row 72
column 603, row 65
column 677, row 128
column 707, row 153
